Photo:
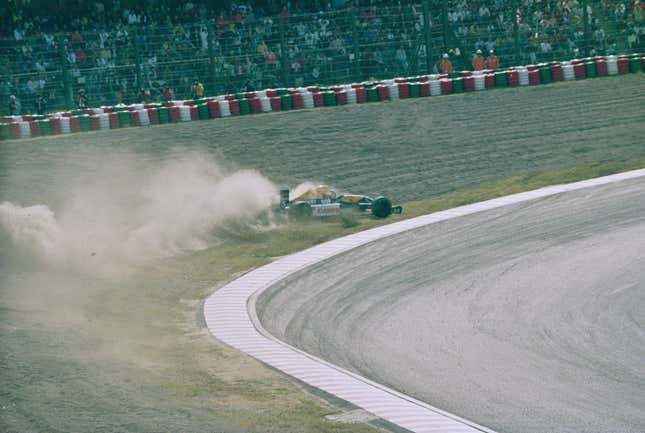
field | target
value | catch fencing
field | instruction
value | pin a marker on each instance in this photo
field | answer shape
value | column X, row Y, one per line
column 132, row 64
column 285, row 99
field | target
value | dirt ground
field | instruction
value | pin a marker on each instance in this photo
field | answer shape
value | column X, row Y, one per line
column 80, row 352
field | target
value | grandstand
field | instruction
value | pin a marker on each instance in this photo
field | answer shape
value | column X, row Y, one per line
column 112, row 53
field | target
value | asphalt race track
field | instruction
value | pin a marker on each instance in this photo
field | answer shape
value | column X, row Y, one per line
column 528, row 318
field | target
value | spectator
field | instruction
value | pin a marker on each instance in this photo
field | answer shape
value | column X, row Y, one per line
column 81, row 99
column 445, row 67
column 478, row 61
column 40, row 106
column 492, row 62
column 144, row 96
column 401, row 58
column 269, row 59
column 167, row 94
column 457, row 59
column 196, row 90
column 14, row 105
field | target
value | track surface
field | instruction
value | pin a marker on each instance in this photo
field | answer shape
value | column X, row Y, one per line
column 525, row 319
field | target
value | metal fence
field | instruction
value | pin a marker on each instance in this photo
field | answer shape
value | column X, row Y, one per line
column 114, row 65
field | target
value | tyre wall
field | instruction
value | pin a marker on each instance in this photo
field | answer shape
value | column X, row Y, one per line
column 269, row 100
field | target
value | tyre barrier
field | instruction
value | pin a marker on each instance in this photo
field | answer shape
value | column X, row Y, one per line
column 458, row 85
column 567, row 71
column 45, row 127
column 114, row 120
column 74, row 124
column 601, row 66
column 296, row 101
column 264, row 101
column 202, row 110
column 435, row 88
column 286, row 102
column 512, row 78
column 194, row 113
column 143, row 117
column 164, row 115
column 403, row 89
column 383, row 92
column 184, row 113
column 276, row 103
column 351, row 96
column 612, row 65
column 556, row 71
column 469, row 83
column 125, row 119
column 329, row 98
column 415, row 90
column 393, row 91
column 153, row 114
column 635, row 64
column 501, row 79
column 534, row 76
column 265, row 104
column 341, row 97
column 372, row 94
column 523, row 76
column 307, row 99
column 248, row 106
column 24, row 129
column 34, row 128
column 65, row 125
column 424, row 89
column 446, row 86
column 5, row 131
column 234, row 107
column 579, row 71
column 225, row 108
column 623, row 65
column 84, row 122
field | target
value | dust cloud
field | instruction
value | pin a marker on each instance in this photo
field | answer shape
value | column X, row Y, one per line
column 132, row 211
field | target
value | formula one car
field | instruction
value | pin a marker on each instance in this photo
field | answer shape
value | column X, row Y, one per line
column 323, row 201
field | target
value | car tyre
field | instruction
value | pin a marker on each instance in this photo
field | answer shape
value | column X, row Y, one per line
column 381, row 207
column 300, row 211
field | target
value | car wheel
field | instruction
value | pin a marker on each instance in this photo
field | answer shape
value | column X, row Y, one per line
column 381, row 207
column 300, row 211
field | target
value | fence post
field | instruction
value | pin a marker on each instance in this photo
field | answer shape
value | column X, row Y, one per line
column 137, row 57
column 444, row 21
column 67, row 88
column 357, row 54
column 283, row 53
column 428, row 35
column 516, row 32
column 211, row 60
column 585, row 17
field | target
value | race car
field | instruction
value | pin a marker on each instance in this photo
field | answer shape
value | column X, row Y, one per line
column 322, row 201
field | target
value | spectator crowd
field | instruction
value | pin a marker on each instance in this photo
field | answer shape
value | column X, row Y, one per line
column 125, row 51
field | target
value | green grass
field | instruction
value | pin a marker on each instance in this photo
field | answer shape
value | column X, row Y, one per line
column 244, row 251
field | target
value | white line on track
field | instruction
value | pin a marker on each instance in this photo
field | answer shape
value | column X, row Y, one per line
column 231, row 317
